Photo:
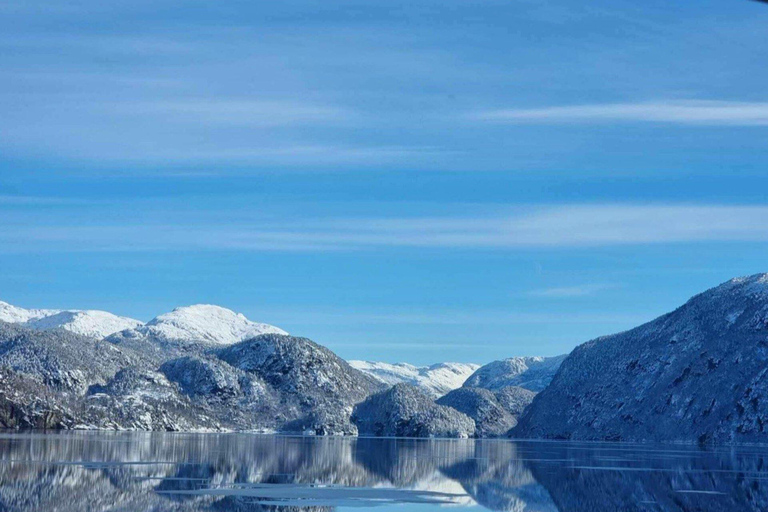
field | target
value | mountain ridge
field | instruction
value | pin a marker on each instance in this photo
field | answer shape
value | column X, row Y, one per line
column 695, row 374
column 437, row 379
column 204, row 323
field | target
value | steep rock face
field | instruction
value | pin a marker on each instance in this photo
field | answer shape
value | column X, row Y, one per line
column 533, row 373
column 27, row 403
column 491, row 419
column 315, row 384
column 696, row 374
column 205, row 323
column 437, row 379
column 405, row 410
column 514, row 399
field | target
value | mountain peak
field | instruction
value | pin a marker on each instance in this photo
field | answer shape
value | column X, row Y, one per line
column 207, row 323
column 15, row 315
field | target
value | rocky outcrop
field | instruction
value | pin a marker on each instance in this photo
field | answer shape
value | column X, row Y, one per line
column 696, row 374
column 407, row 411
column 316, row 387
column 26, row 403
column 533, row 373
column 491, row 419
column 300, row 367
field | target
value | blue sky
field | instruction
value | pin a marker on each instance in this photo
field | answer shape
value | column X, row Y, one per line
column 417, row 181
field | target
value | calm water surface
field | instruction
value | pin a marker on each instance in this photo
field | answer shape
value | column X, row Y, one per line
column 239, row 472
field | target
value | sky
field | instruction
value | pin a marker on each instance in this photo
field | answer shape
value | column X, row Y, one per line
column 413, row 181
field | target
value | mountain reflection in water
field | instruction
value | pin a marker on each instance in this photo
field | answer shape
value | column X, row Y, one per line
column 66, row 471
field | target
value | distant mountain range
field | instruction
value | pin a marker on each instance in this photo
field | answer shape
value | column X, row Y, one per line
column 697, row 374
column 205, row 367
column 533, row 373
column 201, row 322
column 437, row 379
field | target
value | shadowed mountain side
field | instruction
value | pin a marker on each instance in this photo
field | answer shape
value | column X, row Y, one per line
column 697, row 374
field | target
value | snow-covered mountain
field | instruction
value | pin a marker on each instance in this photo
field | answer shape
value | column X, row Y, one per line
column 206, row 323
column 698, row 373
column 59, row 379
column 200, row 322
column 16, row 315
column 92, row 323
column 405, row 410
column 437, row 379
column 533, row 373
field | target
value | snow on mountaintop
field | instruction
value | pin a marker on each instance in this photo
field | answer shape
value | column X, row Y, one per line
column 533, row 373
column 201, row 322
column 92, row 323
column 96, row 324
column 16, row 315
column 437, row 379
column 207, row 323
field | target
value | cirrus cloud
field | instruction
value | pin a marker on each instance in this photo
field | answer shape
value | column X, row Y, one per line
column 691, row 112
column 561, row 226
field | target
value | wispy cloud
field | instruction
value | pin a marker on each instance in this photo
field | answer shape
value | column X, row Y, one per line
column 689, row 112
column 550, row 226
column 233, row 111
column 583, row 290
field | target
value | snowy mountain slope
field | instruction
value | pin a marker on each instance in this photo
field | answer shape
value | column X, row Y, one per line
column 63, row 361
column 200, row 322
column 92, row 323
column 490, row 417
column 317, row 388
column 205, row 323
column 16, row 315
column 533, row 373
column 695, row 374
column 437, row 379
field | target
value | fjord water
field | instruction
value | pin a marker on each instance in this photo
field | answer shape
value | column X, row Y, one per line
column 72, row 471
